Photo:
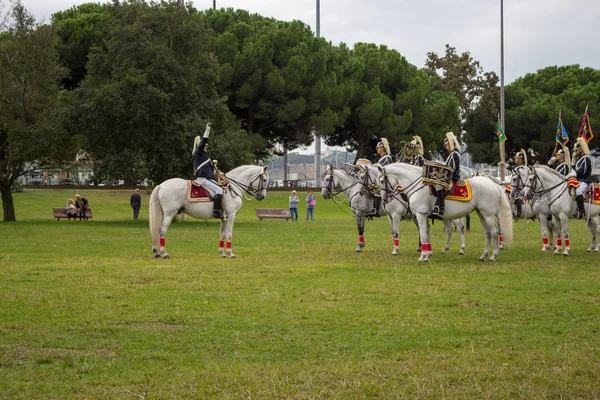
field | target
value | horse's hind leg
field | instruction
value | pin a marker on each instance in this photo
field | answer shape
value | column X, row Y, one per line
column 544, row 227
column 448, row 230
column 164, row 226
column 593, row 226
column 360, row 223
column 394, row 220
column 461, row 235
column 488, row 234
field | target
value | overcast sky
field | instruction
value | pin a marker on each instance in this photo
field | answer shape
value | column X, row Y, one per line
column 537, row 33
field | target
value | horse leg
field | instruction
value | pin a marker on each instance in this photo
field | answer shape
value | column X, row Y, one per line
column 360, row 223
column 395, row 224
column 229, row 235
column 544, row 227
column 222, row 237
column 461, row 236
column 448, row 229
column 593, row 226
column 488, row 236
column 414, row 218
column 424, row 235
column 558, row 244
column 164, row 226
column 500, row 236
column 564, row 222
column 494, row 236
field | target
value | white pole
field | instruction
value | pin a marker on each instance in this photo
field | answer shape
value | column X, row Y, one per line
column 318, row 138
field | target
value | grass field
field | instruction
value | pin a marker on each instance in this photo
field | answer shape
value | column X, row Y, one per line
column 86, row 312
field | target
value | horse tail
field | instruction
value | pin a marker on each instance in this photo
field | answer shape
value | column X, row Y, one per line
column 155, row 217
column 505, row 217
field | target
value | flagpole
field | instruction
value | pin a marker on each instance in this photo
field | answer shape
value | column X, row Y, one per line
column 502, row 87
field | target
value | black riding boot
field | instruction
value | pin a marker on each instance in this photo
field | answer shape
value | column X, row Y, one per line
column 217, row 213
column 519, row 205
column 580, row 208
column 376, row 205
column 439, row 206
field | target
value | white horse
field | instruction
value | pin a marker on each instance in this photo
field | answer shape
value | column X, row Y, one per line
column 488, row 200
column 170, row 197
column 354, row 187
column 544, row 182
column 397, row 208
column 536, row 208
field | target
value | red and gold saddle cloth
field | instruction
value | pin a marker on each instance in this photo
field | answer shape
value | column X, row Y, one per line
column 460, row 191
column 197, row 193
column 596, row 193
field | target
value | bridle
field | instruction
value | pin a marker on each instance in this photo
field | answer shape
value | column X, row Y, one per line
column 392, row 194
column 532, row 183
column 263, row 183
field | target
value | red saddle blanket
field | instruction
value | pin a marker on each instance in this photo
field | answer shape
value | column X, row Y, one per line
column 197, row 193
column 460, row 191
column 596, row 193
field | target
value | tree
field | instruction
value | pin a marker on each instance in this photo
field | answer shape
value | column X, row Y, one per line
column 30, row 134
column 149, row 90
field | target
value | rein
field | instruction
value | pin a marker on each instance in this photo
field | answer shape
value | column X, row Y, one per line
column 537, row 194
column 249, row 189
column 389, row 189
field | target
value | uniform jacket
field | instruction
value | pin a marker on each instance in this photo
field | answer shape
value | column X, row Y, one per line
column 385, row 160
column 453, row 161
column 583, row 169
column 418, row 160
column 202, row 164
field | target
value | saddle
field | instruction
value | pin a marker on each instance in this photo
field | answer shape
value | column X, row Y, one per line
column 460, row 191
column 197, row 193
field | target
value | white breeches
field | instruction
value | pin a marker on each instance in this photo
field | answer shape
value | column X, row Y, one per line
column 210, row 184
column 582, row 188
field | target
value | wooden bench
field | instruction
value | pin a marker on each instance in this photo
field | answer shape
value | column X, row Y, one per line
column 59, row 212
column 273, row 213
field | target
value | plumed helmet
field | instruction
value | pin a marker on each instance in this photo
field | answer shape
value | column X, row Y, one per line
column 522, row 154
column 581, row 144
column 384, row 143
column 451, row 140
column 418, row 144
column 196, row 144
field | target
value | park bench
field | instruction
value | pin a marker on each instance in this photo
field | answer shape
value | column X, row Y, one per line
column 273, row 213
column 59, row 212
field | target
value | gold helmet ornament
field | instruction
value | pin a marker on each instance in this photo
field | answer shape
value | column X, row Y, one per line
column 418, row 144
column 196, row 144
column 451, row 140
column 522, row 154
column 384, row 143
column 582, row 144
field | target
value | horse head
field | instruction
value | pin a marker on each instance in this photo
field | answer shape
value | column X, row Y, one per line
column 532, row 184
column 260, row 184
column 517, row 181
column 385, row 186
column 328, row 183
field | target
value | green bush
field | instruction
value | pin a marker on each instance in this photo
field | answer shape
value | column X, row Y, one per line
column 16, row 187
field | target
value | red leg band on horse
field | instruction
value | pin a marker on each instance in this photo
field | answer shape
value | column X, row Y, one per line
column 162, row 242
column 395, row 242
column 221, row 244
column 567, row 243
column 429, row 246
column 558, row 242
column 361, row 239
column 545, row 241
column 501, row 238
column 228, row 245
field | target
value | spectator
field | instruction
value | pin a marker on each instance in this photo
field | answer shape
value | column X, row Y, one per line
column 136, row 203
column 70, row 209
column 310, row 206
column 82, row 206
column 294, row 200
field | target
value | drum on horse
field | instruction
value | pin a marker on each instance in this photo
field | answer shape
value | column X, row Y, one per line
column 170, row 197
column 536, row 208
column 398, row 208
column 545, row 183
column 355, row 186
column 487, row 199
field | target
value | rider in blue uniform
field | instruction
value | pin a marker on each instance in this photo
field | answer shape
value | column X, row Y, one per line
column 561, row 161
column 453, row 161
column 583, row 170
column 417, row 145
column 204, row 170
column 383, row 149
column 520, row 160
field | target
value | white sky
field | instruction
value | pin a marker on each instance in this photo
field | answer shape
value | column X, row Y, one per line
column 537, row 33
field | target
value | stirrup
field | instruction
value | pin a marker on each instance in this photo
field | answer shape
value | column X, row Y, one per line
column 580, row 214
column 218, row 214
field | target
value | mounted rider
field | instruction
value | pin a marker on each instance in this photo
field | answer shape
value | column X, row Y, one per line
column 383, row 149
column 561, row 161
column 520, row 160
column 453, row 161
column 204, row 170
column 582, row 169
column 417, row 145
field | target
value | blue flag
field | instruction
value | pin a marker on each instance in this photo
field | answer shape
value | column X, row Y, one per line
column 562, row 137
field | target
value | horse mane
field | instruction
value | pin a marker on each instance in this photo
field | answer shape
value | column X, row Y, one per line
column 550, row 170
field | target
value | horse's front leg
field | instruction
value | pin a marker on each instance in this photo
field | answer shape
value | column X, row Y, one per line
column 360, row 224
column 488, row 236
column 414, row 219
column 461, row 235
column 494, row 236
column 424, row 235
column 448, row 230
column 593, row 225
column 394, row 220
column 559, row 234
column 226, row 236
column 564, row 222
column 544, row 227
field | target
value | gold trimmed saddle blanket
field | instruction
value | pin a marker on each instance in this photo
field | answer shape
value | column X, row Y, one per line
column 460, row 191
column 197, row 193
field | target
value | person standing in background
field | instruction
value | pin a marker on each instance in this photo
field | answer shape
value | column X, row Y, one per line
column 136, row 203
column 294, row 200
column 310, row 206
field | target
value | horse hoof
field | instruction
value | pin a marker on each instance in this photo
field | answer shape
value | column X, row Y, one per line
column 492, row 259
column 461, row 253
column 156, row 255
column 597, row 249
column 482, row 259
column 566, row 254
column 444, row 251
column 166, row 257
column 544, row 249
column 589, row 250
column 232, row 256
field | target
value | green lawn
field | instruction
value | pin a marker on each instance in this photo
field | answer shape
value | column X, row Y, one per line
column 87, row 312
